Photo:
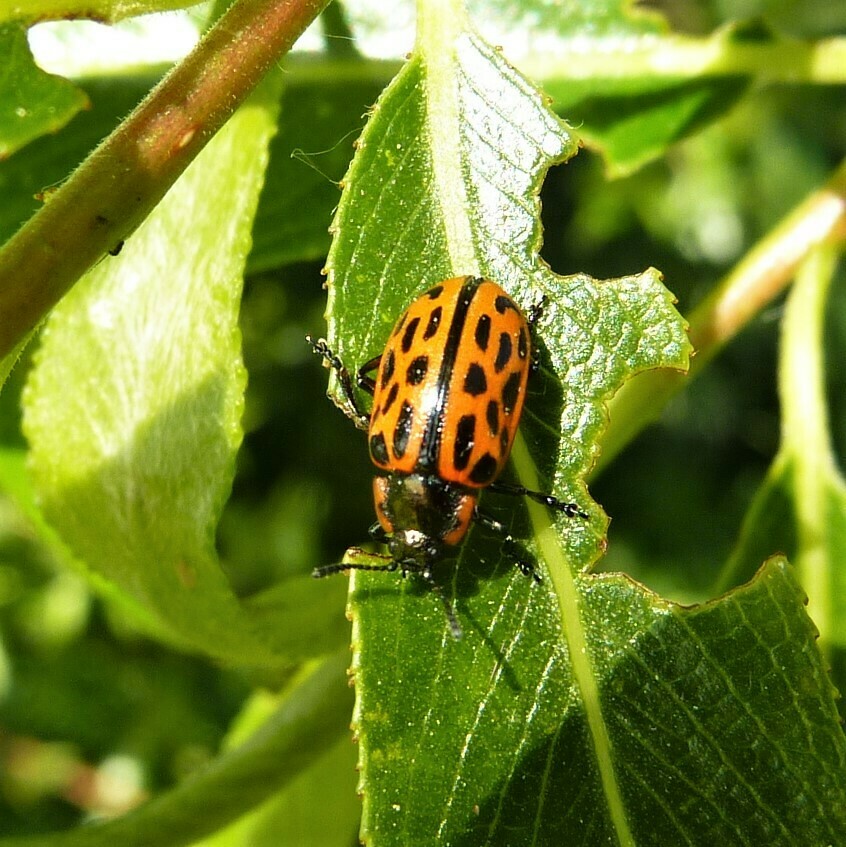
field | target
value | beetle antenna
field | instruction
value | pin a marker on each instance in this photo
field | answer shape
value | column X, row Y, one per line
column 452, row 619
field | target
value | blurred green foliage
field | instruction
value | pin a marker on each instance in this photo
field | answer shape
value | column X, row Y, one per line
column 80, row 687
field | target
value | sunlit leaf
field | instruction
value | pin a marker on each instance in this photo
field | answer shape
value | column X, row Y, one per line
column 133, row 410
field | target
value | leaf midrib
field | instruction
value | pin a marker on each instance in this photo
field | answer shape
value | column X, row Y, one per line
column 441, row 25
column 572, row 627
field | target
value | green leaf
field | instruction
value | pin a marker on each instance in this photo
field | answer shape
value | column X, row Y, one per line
column 133, row 409
column 16, row 483
column 584, row 709
column 601, row 18
column 634, row 121
column 628, row 84
column 720, row 725
column 634, row 88
column 32, row 103
column 801, row 505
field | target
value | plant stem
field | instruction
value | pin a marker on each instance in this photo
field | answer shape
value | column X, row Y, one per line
column 441, row 25
column 680, row 57
column 121, row 181
column 806, row 434
column 755, row 281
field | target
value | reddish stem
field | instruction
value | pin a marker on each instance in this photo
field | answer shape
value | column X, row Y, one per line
column 123, row 179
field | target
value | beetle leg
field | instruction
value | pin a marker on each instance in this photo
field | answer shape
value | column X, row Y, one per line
column 533, row 316
column 535, row 312
column 390, row 566
column 452, row 619
column 354, row 412
column 490, row 523
column 366, row 382
column 509, row 545
column 572, row 510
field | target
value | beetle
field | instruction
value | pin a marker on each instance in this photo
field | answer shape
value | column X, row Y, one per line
column 447, row 396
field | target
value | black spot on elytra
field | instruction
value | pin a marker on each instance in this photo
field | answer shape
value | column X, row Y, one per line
column 390, row 399
column 434, row 322
column 503, row 354
column 510, row 393
column 523, row 344
column 503, row 440
column 416, row 372
column 408, row 335
column 402, row 430
column 435, row 292
column 492, row 417
column 502, row 304
column 484, row 470
column 388, row 370
column 475, row 382
column 378, row 449
column 465, row 437
column 483, row 331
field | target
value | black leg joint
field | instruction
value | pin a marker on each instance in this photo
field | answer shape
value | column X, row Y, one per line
column 509, row 546
column 572, row 510
column 354, row 412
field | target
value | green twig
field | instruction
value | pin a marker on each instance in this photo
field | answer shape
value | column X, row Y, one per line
column 806, row 435
column 679, row 57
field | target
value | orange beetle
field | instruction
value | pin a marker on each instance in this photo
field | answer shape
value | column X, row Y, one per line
column 447, row 400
